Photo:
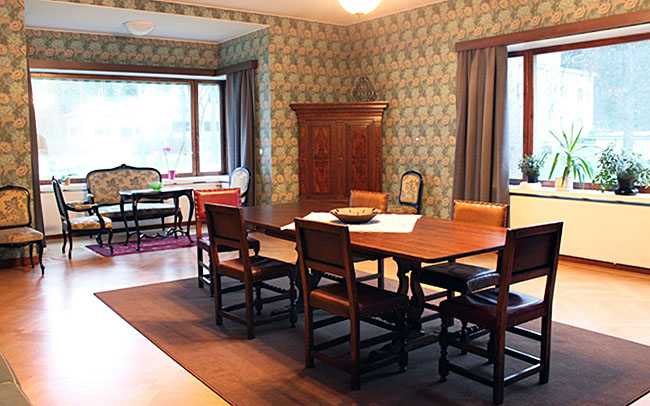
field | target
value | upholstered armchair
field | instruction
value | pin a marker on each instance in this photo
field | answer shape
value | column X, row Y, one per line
column 92, row 224
column 15, row 221
column 241, row 178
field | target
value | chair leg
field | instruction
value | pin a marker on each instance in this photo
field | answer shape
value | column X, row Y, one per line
column 258, row 299
column 162, row 223
column 41, row 246
column 31, row 254
column 250, row 320
column 309, row 336
column 499, row 361
column 355, row 353
column 70, row 247
column 293, row 316
column 545, row 351
column 65, row 240
column 380, row 273
column 218, row 304
column 110, row 240
column 199, row 259
column 403, row 349
column 443, row 362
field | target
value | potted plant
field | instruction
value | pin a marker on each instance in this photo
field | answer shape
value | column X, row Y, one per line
column 65, row 179
column 621, row 170
column 530, row 166
column 574, row 165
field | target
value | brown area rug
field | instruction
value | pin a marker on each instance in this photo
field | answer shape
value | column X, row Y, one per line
column 587, row 368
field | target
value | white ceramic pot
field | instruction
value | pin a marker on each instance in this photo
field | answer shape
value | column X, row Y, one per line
column 564, row 186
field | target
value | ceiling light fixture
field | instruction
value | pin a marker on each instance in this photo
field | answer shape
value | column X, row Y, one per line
column 139, row 28
column 359, row 7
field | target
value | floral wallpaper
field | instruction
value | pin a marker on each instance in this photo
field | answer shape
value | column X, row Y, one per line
column 15, row 157
column 409, row 58
column 93, row 48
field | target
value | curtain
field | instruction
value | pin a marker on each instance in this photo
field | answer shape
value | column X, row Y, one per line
column 33, row 137
column 481, row 161
column 240, row 124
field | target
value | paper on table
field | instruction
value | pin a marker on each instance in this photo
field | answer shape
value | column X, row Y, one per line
column 381, row 223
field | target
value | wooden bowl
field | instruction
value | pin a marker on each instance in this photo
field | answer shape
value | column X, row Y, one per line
column 355, row 215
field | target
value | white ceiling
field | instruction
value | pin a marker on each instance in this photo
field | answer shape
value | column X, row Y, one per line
column 74, row 17
column 55, row 15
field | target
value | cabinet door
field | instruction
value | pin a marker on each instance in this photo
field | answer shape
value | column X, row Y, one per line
column 319, row 160
column 363, row 155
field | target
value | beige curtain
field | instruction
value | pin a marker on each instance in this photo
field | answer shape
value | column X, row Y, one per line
column 240, row 125
column 481, row 161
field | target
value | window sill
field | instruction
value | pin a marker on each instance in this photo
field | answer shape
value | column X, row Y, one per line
column 189, row 180
column 642, row 199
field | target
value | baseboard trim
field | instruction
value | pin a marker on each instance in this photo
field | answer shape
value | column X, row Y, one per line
column 620, row 267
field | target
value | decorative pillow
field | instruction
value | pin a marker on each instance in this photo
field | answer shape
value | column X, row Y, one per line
column 229, row 197
column 13, row 208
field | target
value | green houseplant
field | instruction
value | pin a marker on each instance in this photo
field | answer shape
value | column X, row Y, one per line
column 530, row 166
column 620, row 171
column 575, row 166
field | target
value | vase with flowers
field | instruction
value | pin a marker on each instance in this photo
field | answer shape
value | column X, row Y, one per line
column 171, row 170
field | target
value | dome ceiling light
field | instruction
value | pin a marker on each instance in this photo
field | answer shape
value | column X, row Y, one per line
column 359, row 7
column 139, row 28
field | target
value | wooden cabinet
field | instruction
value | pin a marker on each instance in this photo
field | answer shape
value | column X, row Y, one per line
column 340, row 148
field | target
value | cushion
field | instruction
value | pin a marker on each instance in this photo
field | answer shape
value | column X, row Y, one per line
column 228, row 197
column 459, row 277
column 372, row 301
column 402, row 209
column 489, row 214
column 89, row 223
column 144, row 209
column 13, row 208
column 20, row 235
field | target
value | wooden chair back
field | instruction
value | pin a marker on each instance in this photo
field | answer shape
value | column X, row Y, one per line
column 325, row 248
column 530, row 252
column 364, row 198
column 226, row 228
column 60, row 200
column 228, row 197
column 489, row 214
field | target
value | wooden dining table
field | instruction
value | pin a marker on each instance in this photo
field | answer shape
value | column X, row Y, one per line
column 432, row 240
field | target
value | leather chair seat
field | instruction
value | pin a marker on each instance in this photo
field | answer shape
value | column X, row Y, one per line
column 458, row 277
column 262, row 268
column 372, row 301
column 204, row 244
column 480, row 307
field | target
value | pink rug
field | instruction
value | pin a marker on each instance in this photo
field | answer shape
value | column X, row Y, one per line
column 147, row 245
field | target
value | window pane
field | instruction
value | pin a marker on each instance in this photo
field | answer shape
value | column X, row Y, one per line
column 602, row 90
column 91, row 124
column 210, row 128
column 515, row 114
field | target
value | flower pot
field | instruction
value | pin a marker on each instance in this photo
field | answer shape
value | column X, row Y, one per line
column 532, row 178
column 564, row 186
column 626, row 187
column 171, row 174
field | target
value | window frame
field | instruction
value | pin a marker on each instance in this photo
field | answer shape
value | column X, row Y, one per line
column 194, row 111
column 528, row 98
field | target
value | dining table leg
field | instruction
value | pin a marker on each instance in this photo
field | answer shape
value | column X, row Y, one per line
column 412, row 281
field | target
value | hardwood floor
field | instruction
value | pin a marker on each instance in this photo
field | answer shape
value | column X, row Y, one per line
column 68, row 348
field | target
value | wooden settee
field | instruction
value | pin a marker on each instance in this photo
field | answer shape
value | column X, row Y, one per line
column 104, row 186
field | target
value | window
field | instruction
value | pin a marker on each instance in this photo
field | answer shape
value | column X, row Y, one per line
column 599, row 87
column 87, row 123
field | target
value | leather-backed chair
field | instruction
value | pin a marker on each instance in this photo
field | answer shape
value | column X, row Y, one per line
column 92, row 224
column 15, row 222
column 226, row 228
column 229, row 197
column 410, row 194
column 241, row 178
column 463, row 278
column 379, row 201
column 530, row 252
column 325, row 248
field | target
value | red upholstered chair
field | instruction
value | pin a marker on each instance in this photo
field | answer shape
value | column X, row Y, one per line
column 529, row 253
column 230, row 197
